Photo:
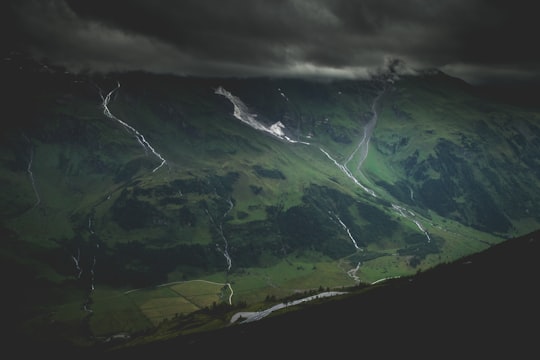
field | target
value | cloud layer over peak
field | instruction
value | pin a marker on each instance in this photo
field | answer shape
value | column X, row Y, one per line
column 477, row 40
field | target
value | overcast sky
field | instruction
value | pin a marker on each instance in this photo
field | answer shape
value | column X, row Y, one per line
column 477, row 40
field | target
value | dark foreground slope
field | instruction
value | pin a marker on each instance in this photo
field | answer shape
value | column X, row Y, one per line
column 482, row 304
column 486, row 303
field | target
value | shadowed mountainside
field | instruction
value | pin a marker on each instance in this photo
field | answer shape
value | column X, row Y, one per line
column 132, row 200
column 486, row 303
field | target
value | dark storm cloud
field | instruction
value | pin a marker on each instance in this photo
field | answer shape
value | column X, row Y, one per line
column 344, row 38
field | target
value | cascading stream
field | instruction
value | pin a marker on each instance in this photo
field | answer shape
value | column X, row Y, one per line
column 91, row 272
column 408, row 214
column 219, row 228
column 242, row 113
column 90, row 229
column 363, row 148
column 363, row 145
column 31, row 174
column 76, row 261
column 337, row 218
column 347, row 172
column 352, row 272
column 140, row 138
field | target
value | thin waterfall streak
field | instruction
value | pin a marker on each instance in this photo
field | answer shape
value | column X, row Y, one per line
column 353, row 240
column 363, row 157
column 140, row 138
column 408, row 214
column 231, row 205
column 364, row 143
column 225, row 241
column 90, row 229
column 368, row 131
column 92, row 279
column 231, row 294
column 352, row 272
column 356, row 150
column 76, row 260
column 348, row 173
column 219, row 228
column 32, row 179
column 31, row 174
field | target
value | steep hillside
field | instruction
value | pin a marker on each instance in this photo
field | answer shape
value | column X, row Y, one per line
column 484, row 304
column 472, row 306
column 131, row 199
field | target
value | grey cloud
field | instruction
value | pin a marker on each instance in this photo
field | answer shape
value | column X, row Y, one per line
column 279, row 37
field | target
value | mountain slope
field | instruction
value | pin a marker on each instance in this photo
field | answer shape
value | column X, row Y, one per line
column 481, row 305
column 472, row 306
column 130, row 199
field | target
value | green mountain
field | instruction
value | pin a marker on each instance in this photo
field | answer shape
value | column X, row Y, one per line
column 131, row 200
